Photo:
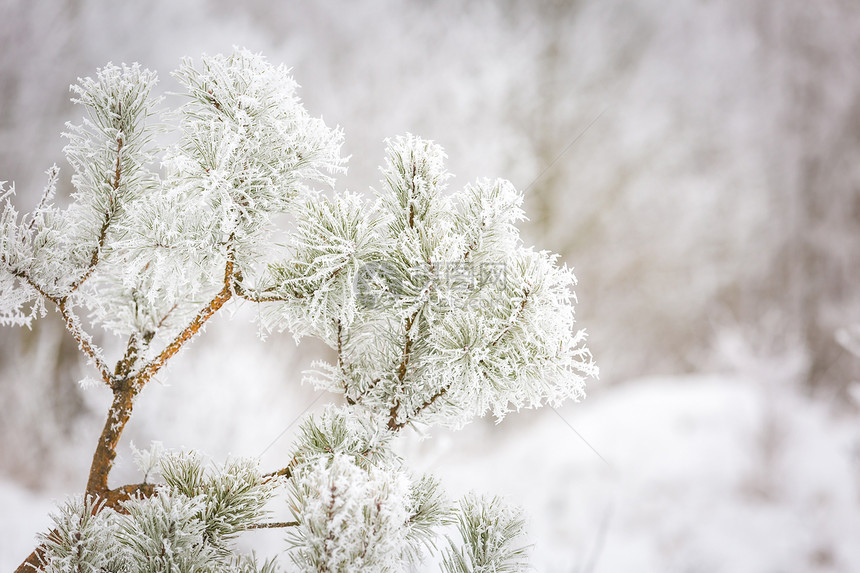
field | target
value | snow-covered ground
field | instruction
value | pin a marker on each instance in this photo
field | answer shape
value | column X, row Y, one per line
column 700, row 474
column 694, row 474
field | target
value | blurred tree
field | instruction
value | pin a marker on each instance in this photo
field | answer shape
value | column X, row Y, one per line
column 810, row 144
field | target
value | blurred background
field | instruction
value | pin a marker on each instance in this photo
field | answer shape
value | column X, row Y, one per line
column 697, row 164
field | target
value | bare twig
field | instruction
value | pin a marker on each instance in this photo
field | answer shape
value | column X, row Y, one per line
column 254, row 296
column 401, row 373
column 341, row 363
column 273, row 525
column 516, row 318
column 84, row 340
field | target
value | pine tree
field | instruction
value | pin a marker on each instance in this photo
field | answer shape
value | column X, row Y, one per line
column 435, row 310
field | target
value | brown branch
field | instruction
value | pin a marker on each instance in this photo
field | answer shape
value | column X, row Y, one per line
column 69, row 319
column 370, row 387
column 241, row 292
column 25, row 276
column 401, row 374
column 116, row 497
column 34, row 561
column 118, row 415
column 94, row 258
column 340, row 363
column 442, row 391
column 127, row 388
column 413, row 195
column 193, row 327
column 393, row 424
column 166, row 315
column 286, row 472
column 126, row 363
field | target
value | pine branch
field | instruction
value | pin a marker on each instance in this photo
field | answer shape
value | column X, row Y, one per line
column 163, row 320
column 370, row 387
column 118, row 416
column 100, row 243
column 414, row 193
column 393, row 424
column 249, row 147
column 35, row 560
column 114, row 498
column 25, row 276
column 401, row 374
column 69, row 319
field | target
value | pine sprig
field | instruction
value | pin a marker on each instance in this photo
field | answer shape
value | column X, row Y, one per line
column 489, row 538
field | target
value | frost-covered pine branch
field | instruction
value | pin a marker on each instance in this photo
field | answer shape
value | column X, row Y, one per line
column 187, row 524
column 435, row 311
column 490, row 531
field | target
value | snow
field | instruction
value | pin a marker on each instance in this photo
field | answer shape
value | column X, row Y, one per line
column 705, row 473
column 23, row 514
column 690, row 481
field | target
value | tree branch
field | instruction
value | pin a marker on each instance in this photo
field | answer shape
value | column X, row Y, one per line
column 100, row 243
column 193, row 327
column 273, row 525
column 118, row 415
column 393, row 424
column 341, row 364
column 34, row 561
column 286, row 472
column 401, row 374
column 427, row 403
column 245, row 294
column 126, row 363
column 115, row 497
column 125, row 389
column 69, row 319
column 84, row 340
